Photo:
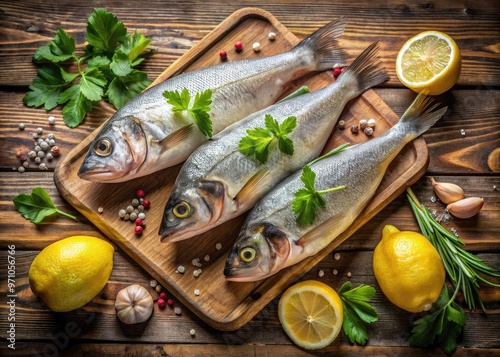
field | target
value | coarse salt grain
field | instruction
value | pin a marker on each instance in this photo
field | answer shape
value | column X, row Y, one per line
column 218, row 246
column 192, row 332
column 100, row 210
column 206, row 258
column 336, row 256
column 335, row 272
column 197, row 292
column 321, row 273
column 196, row 262
column 271, row 36
column 177, row 310
column 181, row 269
column 349, row 274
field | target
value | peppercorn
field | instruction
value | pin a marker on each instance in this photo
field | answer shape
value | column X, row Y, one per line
column 138, row 222
column 170, row 302
column 142, row 216
column 135, row 202
column 368, row 131
column 129, row 209
column 39, row 131
column 52, row 120
column 256, row 47
column 238, row 45
column 32, row 154
column 161, row 303
column 55, row 151
column 354, row 129
column 38, row 160
column 41, row 154
column 271, row 36
column 138, row 230
column 26, row 164
column 223, row 55
column 363, row 123
column 163, row 295
column 371, row 123
column 50, row 136
column 133, row 216
column 49, row 156
column 341, row 124
column 336, row 72
column 21, row 126
column 37, row 148
column 43, row 167
column 44, row 145
column 122, row 213
column 146, row 203
column 140, row 193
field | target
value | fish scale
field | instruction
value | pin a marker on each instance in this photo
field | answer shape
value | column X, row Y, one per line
column 146, row 136
column 218, row 182
column 272, row 239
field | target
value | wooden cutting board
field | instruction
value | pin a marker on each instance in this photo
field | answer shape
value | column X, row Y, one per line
column 225, row 305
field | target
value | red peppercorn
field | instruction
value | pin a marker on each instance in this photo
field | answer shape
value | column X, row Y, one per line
column 138, row 230
column 138, row 222
column 238, row 45
column 336, row 72
column 146, row 203
column 161, row 303
column 170, row 302
column 223, row 54
column 140, row 193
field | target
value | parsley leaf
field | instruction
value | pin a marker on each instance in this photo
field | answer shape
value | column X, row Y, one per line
column 357, row 311
column 60, row 49
column 37, row 206
column 258, row 141
column 104, row 31
column 443, row 325
column 308, row 200
column 104, row 71
column 199, row 111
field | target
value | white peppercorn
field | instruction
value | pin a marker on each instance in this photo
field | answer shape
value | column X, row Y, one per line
column 40, row 154
column 371, row 123
column 363, row 123
column 52, row 120
column 39, row 131
column 44, row 145
column 21, row 169
column 129, row 209
column 26, row 164
column 52, row 142
column 50, row 136
column 133, row 216
column 21, row 126
column 122, row 213
column 38, row 160
column 141, row 215
column 32, row 154
column 49, row 156
column 43, row 167
column 368, row 131
column 37, row 148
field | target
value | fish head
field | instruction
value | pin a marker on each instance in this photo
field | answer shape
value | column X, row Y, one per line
column 191, row 209
column 259, row 252
column 117, row 152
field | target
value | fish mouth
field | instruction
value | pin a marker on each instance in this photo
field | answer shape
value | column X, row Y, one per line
column 231, row 274
column 171, row 233
column 98, row 173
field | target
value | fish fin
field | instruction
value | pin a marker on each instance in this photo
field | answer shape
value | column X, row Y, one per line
column 324, row 47
column 420, row 115
column 176, row 137
column 317, row 234
column 365, row 71
column 248, row 190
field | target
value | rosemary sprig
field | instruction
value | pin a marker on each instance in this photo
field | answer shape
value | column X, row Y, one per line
column 463, row 268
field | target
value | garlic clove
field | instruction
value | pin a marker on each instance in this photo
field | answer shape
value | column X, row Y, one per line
column 466, row 207
column 447, row 192
column 133, row 304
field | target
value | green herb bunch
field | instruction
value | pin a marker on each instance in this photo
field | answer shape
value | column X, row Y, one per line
column 105, row 70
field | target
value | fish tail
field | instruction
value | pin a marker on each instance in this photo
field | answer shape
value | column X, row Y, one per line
column 321, row 49
column 421, row 114
column 365, row 71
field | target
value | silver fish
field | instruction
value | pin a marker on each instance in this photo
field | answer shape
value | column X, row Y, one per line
column 218, row 182
column 145, row 136
column 271, row 239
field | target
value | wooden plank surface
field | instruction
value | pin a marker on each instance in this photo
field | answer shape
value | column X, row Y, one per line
column 470, row 160
column 223, row 304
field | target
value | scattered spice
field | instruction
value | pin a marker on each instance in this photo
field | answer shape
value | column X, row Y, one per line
column 349, row 274
column 153, row 283
column 181, row 269
column 368, row 131
column 159, row 288
column 354, row 129
column 335, row 271
column 21, row 126
column 100, row 210
column 238, row 45
column 321, row 273
column 138, row 230
column 218, row 246
column 371, row 122
column 271, row 36
column 206, row 258
column 140, row 193
column 363, row 123
column 462, row 132
column 197, row 292
column 163, row 295
column 336, row 256
column 170, row 302
column 177, row 310
column 341, row 124
column 51, row 120
column 336, row 72
column 192, row 332
column 197, row 272
column 256, row 46
column 161, row 303
column 223, row 55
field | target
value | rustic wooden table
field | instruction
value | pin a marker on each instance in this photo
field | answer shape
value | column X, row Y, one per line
column 471, row 160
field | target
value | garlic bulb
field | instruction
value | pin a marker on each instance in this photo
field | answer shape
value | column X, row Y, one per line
column 466, row 208
column 133, row 304
column 447, row 192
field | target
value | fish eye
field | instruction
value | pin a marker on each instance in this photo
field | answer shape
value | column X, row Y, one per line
column 247, row 254
column 103, row 147
column 182, row 209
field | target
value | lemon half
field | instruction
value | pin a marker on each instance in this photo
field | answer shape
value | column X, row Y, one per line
column 311, row 314
column 431, row 60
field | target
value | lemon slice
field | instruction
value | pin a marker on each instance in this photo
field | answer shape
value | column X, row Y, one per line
column 311, row 314
column 431, row 60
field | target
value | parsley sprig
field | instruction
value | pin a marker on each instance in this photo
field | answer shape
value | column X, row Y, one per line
column 357, row 311
column 308, row 200
column 104, row 71
column 199, row 111
column 258, row 141
column 38, row 205
column 443, row 325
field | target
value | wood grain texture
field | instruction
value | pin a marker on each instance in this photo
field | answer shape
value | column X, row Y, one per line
column 174, row 27
column 226, row 305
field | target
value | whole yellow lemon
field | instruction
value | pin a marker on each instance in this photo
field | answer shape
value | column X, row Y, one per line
column 69, row 273
column 408, row 269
